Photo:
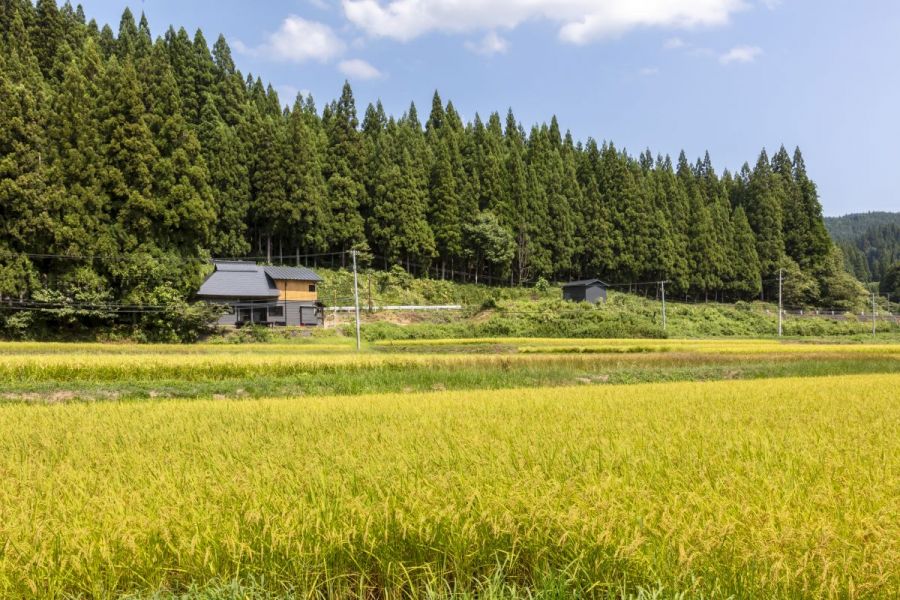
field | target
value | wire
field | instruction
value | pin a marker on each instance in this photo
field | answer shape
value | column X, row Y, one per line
column 139, row 255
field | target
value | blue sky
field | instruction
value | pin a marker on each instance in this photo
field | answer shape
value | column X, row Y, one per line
column 728, row 76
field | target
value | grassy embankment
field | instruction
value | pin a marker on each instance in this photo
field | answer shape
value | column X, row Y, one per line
column 51, row 373
column 530, row 312
column 780, row 488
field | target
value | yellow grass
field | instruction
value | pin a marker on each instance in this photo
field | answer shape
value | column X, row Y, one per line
column 779, row 488
column 99, row 362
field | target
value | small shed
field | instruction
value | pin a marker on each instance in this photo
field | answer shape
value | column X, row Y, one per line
column 586, row 290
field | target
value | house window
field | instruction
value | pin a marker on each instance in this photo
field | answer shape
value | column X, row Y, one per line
column 276, row 311
column 312, row 287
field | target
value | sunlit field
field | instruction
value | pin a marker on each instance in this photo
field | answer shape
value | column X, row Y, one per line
column 86, row 362
column 776, row 488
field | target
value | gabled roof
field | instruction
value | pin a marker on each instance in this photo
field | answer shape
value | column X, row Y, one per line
column 584, row 283
column 242, row 279
column 292, row 273
column 238, row 283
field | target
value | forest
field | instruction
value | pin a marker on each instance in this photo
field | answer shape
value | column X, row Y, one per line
column 127, row 161
column 871, row 245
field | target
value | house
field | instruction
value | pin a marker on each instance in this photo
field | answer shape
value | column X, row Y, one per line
column 587, row 290
column 263, row 295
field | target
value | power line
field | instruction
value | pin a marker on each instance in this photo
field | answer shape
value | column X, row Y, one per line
column 140, row 255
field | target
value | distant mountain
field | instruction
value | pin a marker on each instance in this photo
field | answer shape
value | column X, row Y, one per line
column 870, row 242
column 850, row 227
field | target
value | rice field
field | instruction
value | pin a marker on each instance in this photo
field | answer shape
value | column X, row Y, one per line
column 110, row 362
column 775, row 486
column 781, row 488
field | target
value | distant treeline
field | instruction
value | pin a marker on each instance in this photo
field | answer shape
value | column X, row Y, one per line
column 151, row 155
column 870, row 242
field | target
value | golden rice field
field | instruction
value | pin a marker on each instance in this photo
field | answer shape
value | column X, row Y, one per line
column 112, row 362
column 780, row 488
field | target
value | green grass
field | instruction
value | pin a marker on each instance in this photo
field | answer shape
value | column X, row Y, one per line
column 775, row 488
column 623, row 316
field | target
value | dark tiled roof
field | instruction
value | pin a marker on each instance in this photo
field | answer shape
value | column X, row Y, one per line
column 235, row 265
column 242, row 279
column 584, row 282
column 292, row 273
column 231, row 281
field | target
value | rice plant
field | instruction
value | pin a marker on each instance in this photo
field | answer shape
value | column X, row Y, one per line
column 773, row 488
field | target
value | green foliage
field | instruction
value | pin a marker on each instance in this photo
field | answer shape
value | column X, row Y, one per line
column 153, row 154
column 488, row 242
column 870, row 243
column 890, row 283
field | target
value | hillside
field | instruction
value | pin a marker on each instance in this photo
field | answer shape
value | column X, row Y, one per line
column 870, row 243
column 499, row 312
column 849, row 228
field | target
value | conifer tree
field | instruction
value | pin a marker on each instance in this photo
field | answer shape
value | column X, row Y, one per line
column 127, row 40
column 763, row 205
column 306, row 189
column 343, row 166
column 76, row 161
column 129, row 154
column 46, row 35
column 228, row 176
column 747, row 281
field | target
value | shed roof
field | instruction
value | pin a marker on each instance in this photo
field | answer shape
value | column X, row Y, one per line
column 292, row 273
column 584, row 283
column 235, row 265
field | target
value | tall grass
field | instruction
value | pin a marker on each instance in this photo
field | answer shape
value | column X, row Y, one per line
column 781, row 488
column 84, row 363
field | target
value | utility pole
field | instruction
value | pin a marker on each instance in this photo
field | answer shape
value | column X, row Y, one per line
column 873, row 314
column 779, row 302
column 356, row 297
column 663, row 284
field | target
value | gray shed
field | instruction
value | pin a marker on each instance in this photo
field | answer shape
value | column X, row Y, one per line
column 254, row 294
column 586, row 290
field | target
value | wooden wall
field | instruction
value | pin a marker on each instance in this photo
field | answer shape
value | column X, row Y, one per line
column 296, row 290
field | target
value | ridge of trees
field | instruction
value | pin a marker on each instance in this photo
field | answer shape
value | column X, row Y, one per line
column 158, row 150
column 870, row 243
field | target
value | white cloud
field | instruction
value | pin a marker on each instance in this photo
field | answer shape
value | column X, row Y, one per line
column 490, row 44
column 579, row 21
column 741, row 54
column 649, row 71
column 358, row 69
column 675, row 43
column 288, row 93
column 298, row 40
